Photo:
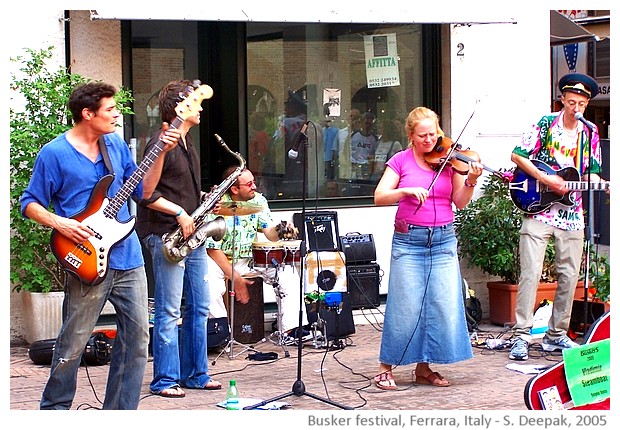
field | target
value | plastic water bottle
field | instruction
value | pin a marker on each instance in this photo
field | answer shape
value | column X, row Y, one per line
column 232, row 396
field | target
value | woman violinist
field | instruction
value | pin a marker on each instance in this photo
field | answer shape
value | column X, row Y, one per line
column 424, row 319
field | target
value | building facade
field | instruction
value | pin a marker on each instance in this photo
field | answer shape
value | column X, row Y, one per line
column 474, row 66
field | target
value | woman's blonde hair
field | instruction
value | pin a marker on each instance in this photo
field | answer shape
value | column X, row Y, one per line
column 416, row 116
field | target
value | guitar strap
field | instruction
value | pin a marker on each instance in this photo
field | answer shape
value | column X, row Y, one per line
column 104, row 154
column 579, row 164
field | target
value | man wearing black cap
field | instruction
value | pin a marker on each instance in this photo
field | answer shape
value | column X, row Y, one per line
column 561, row 141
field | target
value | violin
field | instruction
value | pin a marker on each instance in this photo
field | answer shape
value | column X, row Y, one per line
column 447, row 152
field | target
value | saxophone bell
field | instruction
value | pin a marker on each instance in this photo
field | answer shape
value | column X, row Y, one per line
column 175, row 246
column 215, row 229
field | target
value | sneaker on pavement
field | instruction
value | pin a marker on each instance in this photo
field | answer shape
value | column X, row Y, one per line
column 561, row 343
column 518, row 351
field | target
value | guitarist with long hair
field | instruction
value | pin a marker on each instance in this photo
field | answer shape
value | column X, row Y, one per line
column 66, row 175
column 558, row 142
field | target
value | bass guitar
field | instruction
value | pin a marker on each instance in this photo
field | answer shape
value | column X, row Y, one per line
column 532, row 197
column 88, row 261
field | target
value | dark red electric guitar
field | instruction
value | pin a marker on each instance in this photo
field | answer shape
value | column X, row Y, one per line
column 89, row 260
column 554, row 376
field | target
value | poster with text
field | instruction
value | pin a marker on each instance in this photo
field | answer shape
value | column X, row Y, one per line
column 587, row 369
column 381, row 61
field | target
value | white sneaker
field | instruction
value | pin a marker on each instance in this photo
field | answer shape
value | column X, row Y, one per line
column 519, row 350
column 561, row 343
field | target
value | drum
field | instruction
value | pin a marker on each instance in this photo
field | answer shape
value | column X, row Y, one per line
column 264, row 252
column 292, row 251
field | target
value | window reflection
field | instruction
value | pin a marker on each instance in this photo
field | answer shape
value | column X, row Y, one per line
column 319, row 74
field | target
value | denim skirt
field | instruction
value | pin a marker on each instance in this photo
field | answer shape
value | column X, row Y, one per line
column 425, row 311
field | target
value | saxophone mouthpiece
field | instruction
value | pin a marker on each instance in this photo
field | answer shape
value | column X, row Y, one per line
column 218, row 138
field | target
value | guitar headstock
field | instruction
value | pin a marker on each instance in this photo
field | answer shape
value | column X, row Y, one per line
column 192, row 99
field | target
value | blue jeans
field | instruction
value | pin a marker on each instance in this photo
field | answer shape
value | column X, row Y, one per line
column 188, row 365
column 127, row 292
column 425, row 312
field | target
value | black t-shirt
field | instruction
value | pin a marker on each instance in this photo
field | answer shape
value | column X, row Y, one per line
column 179, row 183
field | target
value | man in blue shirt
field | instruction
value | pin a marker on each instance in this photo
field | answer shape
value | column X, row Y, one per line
column 66, row 171
column 330, row 148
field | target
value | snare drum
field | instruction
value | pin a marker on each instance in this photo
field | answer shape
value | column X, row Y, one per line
column 292, row 252
column 265, row 252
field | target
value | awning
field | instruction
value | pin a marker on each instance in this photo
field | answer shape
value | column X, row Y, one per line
column 565, row 31
column 598, row 25
column 321, row 12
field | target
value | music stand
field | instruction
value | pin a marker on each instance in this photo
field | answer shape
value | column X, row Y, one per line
column 231, row 294
column 299, row 388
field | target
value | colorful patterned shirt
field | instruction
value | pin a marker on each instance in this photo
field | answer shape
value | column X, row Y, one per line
column 245, row 229
column 548, row 141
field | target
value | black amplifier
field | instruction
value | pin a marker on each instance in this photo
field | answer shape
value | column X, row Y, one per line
column 358, row 248
column 319, row 230
column 363, row 284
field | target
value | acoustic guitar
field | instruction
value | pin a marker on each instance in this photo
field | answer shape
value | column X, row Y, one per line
column 555, row 376
column 532, row 197
column 88, row 261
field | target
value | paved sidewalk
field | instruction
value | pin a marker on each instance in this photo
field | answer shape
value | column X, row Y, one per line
column 339, row 378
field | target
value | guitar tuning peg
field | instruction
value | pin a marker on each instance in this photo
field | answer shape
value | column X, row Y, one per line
column 196, row 83
column 182, row 95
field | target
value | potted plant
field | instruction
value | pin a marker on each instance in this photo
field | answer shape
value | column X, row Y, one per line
column 488, row 233
column 599, row 278
column 38, row 113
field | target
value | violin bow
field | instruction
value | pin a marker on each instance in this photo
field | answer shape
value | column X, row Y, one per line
column 445, row 162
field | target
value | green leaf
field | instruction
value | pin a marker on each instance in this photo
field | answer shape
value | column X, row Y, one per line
column 42, row 116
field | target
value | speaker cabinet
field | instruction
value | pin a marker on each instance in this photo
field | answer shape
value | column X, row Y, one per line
column 363, row 285
column 249, row 318
column 325, row 271
column 594, row 311
column 319, row 230
column 337, row 323
column 358, row 248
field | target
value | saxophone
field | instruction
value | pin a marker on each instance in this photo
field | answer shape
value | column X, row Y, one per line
column 175, row 246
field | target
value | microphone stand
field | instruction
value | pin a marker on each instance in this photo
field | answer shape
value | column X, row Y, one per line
column 299, row 388
column 589, row 233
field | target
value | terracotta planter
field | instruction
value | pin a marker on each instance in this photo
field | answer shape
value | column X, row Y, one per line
column 503, row 300
column 42, row 315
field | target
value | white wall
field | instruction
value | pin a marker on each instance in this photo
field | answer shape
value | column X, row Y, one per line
column 503, row 78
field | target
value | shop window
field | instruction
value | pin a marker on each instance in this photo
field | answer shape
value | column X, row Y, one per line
column 351, row 84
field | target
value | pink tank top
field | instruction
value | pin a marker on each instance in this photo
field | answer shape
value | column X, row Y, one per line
column 437, row 210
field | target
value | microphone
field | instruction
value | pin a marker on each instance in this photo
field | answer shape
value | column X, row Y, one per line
column 579, row 116
column 294, row 151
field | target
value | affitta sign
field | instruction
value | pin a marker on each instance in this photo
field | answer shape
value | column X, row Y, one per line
column 381, row 61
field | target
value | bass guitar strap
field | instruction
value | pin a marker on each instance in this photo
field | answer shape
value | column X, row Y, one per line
column 104, row 154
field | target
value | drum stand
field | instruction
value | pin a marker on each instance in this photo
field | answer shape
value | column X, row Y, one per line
column 231, row 343
column 279, row 333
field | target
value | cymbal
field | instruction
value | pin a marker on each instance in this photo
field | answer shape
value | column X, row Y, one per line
column 239, row 208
